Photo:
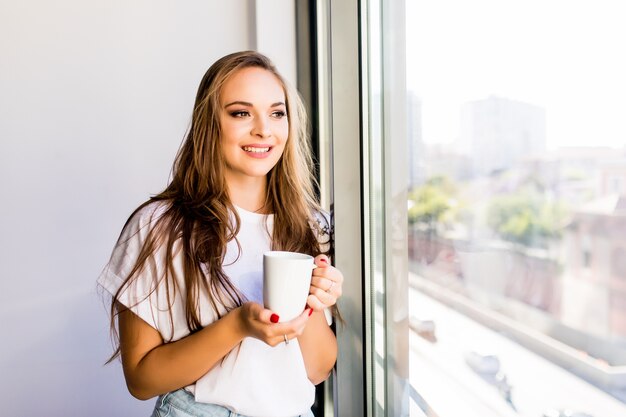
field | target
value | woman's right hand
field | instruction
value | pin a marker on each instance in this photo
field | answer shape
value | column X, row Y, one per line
column 261, row 323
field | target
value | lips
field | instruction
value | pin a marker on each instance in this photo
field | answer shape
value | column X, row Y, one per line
column 256, row 149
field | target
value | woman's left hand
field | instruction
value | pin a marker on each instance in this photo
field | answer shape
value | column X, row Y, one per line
column 326, row 284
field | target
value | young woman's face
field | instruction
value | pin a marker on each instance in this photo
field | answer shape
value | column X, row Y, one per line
column 253, row 122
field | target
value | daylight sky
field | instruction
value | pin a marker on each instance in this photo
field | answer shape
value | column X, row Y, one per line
column 567, row 56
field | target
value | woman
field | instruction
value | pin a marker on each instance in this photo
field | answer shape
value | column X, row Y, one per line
column 186, row 273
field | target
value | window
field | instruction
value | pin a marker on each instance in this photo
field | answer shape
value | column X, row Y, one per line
column 514, row 218
column 498, row 288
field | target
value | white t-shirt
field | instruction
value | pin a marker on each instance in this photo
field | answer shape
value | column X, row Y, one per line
column 254, row 379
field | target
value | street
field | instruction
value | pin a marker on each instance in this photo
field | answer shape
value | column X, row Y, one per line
column 441, row 375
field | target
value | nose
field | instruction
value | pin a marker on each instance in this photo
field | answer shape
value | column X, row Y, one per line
column 261, row 127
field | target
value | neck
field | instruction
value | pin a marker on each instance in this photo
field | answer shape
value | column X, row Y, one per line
column 248, row 193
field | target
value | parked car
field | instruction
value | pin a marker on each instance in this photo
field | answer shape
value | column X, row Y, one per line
column 483, row 363
column 424, row 327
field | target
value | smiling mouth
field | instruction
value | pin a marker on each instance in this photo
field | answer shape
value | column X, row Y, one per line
column 255, row 149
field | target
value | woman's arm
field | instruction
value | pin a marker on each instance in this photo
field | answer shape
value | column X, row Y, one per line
column 319, row 348
column 152, row 367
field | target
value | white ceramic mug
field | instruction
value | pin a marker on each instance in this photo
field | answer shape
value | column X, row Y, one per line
column 286, row 282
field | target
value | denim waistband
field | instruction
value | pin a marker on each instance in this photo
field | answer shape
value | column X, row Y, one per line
column 182, row 403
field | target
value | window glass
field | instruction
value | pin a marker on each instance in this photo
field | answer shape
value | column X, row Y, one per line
column 385, row 195
column 516, row 207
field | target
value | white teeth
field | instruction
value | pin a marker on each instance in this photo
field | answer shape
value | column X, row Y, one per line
column 255, row 150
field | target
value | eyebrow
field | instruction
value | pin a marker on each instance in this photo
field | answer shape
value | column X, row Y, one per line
column 247, row 104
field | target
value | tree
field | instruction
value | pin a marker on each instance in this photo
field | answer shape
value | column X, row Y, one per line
column 433, row 203
column 525, row 218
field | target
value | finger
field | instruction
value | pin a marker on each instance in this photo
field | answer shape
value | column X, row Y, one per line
column 322, row 282
column 301, row 321
column 267, row 316
column 320, row 272
column 277, row 339
column 298, row 321
column 327, row 285
column 328, row 272
column 289, row 327
column 328, row 298
column 315, row 303
column 292, row 328
column 322, row 261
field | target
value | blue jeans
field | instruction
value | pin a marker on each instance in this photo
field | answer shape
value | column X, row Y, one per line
column 181, row 403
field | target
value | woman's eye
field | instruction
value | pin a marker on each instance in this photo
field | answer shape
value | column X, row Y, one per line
column 240, row 113
column 279, row 114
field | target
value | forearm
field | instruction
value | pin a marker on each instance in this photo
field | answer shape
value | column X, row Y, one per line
column 319, row 348
column 171, row 366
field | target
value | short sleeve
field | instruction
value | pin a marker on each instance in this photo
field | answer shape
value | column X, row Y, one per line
column 144, row 295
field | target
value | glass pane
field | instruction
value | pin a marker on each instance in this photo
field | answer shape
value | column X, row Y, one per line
column 517, row 207
column 376, row 218
column 385, row 177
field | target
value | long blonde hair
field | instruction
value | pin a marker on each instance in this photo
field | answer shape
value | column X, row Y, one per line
column 198, row 209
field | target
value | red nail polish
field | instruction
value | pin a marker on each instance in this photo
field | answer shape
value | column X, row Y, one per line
column 310, row 312
column 274, row 318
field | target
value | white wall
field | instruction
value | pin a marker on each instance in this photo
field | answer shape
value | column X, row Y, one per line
column 275, row 26
column 95, row 97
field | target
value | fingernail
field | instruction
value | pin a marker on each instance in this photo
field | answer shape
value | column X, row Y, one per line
column 310, row 312
column 274, row 318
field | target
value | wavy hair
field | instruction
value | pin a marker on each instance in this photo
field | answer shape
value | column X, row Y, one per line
column 198, row 212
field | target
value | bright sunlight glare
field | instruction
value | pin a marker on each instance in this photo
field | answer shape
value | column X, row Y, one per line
column 563, row 55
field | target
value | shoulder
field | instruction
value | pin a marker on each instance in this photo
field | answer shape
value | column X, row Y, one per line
column 139, row 229
column 144, row 219
column 149, row 213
